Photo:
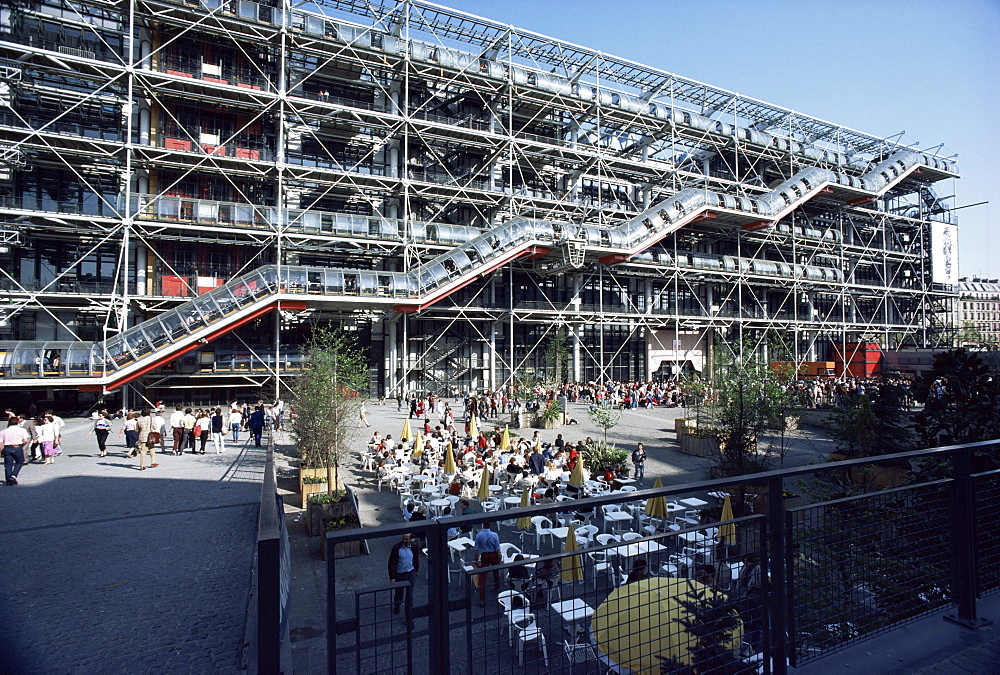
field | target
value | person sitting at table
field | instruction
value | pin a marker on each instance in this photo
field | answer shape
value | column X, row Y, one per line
column 640, row 571
column 705, row 574
column 452, row 531
column 546, row 573
column 519, row 577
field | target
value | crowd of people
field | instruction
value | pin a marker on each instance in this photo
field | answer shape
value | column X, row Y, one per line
column 144, row 431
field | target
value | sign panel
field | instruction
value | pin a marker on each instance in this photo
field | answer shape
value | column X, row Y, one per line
column 944, row 253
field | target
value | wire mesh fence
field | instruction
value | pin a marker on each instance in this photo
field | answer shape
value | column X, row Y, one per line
column 987, row 491
column 864, row 564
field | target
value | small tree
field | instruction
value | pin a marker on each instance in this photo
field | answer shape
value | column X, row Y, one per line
column 961, row 398
column 740, row 412
column 326, row 400
column 556, row 355
column 605, row 416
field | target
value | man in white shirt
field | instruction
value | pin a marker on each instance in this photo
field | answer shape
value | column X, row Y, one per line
column 177, row 427
column 13, row 439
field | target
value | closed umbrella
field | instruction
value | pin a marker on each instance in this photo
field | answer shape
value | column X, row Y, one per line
column 505, row 439
column 473, row 429
column 727, row 532
column 484, row 485
column 572, row 568
column 405, row 436
column 576, row 478
column 418, row 446
column 524, row 522
column 641, row 622
column 656, row 507
column 449, row 461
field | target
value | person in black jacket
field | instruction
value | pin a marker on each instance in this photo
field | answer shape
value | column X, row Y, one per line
column 404, row 563
column 256, row 424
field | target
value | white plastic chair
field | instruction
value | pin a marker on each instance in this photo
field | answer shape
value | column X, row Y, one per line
column 631, row 536
column 585, row 533
column 508, row 551
column 605, row 539
column 601, row 565
column 543, row 527
column 528, row 631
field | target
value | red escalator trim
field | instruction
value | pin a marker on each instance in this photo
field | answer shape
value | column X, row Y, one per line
column 861, row 200
column 613, row 258
column 166, row 358
column 757, row 225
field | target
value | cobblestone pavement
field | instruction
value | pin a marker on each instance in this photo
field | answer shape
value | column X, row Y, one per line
column 108, row 568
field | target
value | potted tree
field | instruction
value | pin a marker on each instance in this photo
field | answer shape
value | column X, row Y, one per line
column 550, row 416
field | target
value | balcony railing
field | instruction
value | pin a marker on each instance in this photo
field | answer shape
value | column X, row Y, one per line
column 796, row 579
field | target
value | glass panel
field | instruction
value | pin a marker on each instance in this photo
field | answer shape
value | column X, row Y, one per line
column 208, row 307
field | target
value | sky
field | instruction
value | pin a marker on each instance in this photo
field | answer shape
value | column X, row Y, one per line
column 930, row 69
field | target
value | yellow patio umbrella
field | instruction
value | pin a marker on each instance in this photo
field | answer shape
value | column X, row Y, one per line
column 418, row 446
column 572, row 568
column 449, row 461
column 576, row 478
column 405, row 436
column 505, row 439
column 641, row 622
column 727, row 532
column 473, row 429
column 538, row 444
column 656, row 506
column 524, row 522
column 484, row 485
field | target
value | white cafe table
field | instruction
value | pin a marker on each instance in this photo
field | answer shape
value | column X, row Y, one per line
column 704, row 536
column 693, row 502
column 512, row 502
column 432, row 490
column 615, row 517
column 573, row 612
column 439, row 505
column 459, row 545
column 496, row 488
column 638, row 548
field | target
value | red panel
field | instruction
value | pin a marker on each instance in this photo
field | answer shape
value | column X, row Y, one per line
column 246, row 153
column 175, row 287
column 613, row 259
column 176, row 144
column 215, row 149
column 757, row 225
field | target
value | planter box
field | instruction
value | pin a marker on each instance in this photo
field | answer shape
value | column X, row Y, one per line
column 791, row 423
column 700, row 447
column 549, row 424
column 345, row 550
column 684, row 425
column 317, row 513
column 306, row 489
column 524, row 420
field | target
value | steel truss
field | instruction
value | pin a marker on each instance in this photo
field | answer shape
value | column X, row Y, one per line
column 150, row 149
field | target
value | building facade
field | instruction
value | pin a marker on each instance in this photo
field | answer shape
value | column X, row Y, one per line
column 473, row 199
column 978, row 319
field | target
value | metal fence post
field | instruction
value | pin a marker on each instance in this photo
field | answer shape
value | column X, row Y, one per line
column 776, row 591
column 437, row 593
column 963, row 522
column 331, row 607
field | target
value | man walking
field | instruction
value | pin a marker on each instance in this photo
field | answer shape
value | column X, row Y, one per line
column 144, row 425
column 487, row 547
column 639, row 461
column 177, row 428
column 256, row 425
column 404, row 563
column 13, row 439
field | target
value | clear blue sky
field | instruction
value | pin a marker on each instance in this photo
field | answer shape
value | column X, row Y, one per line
column 930, row 68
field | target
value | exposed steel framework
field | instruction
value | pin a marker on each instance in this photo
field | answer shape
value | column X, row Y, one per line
column 460, row 189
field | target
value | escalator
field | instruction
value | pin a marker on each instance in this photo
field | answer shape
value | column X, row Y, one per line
column 113, row 362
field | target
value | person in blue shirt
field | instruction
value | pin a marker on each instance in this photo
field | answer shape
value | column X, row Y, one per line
column 487, row 545
column 404, row 563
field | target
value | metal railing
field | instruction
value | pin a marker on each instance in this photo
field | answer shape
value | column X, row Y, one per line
column 856, row 561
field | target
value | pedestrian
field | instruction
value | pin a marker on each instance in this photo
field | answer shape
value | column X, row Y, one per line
column 203, row 428
column 487, row 545
column 235, row 418
column 48, row 433
column 177, row 428
column 363, row 416
column 639, row 462
column 218, row 435
column 102, row 428
column 144, row 426
column 30, row 425
column 256, row 425
column 13, row 439
column 131, row 434
column 187, row 431
column 158, row 431
column 404, row 564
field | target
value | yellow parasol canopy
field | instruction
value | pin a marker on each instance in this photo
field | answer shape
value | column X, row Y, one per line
column 449, row 461
column 418, row 446
column 641, row 621
column 473, row 429
column 572, row 568
column 405, row 435
column 505, row 439
column 656, row 506
column 576, row 478
column 484, row 485
column 727, row 532
column 524, row 522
